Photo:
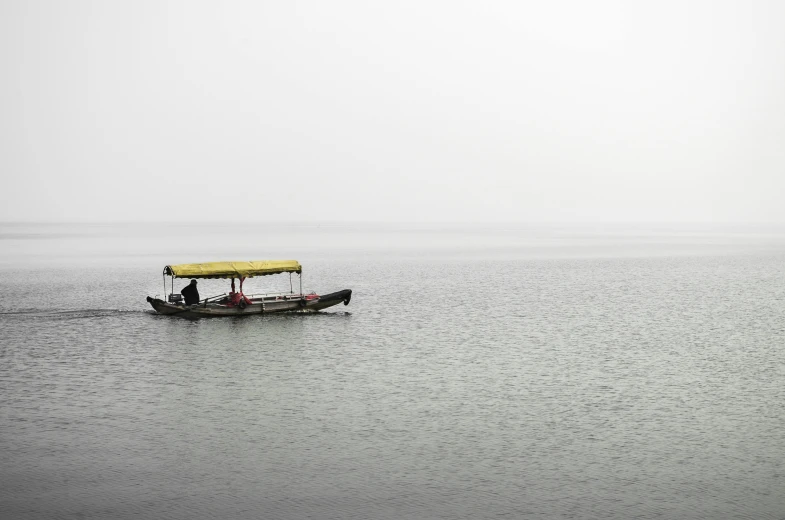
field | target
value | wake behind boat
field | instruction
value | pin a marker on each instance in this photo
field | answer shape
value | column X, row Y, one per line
column 187, row 304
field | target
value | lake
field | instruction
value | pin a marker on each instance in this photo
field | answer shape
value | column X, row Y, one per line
column 480, row 371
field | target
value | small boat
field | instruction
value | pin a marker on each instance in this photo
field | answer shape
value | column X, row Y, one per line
column 235, row 303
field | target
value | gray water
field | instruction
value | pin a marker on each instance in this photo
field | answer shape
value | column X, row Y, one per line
column 480, row 372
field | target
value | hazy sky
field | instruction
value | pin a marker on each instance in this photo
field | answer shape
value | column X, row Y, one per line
column 392, row 111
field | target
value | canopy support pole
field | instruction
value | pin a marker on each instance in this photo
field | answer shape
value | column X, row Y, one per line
column 301, row 282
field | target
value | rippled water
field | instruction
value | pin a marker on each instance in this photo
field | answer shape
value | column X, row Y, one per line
column 476, row 374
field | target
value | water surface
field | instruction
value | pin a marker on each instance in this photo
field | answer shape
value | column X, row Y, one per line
column 487, row 372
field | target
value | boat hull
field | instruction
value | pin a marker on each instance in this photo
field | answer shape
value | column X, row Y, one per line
column 257, row 306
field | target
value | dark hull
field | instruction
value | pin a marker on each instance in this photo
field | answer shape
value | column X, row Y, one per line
column 258, row 306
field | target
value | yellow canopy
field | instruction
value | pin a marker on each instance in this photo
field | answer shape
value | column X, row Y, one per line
column 233, row 269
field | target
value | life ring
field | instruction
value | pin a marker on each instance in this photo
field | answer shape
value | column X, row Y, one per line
column 242, row 304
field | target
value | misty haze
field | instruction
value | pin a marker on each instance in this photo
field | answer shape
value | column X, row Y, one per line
column 417, row 260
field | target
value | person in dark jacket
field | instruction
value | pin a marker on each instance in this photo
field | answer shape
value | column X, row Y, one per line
column 190, row 293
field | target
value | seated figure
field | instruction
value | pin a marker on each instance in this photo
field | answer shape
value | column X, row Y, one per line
column 190, row 293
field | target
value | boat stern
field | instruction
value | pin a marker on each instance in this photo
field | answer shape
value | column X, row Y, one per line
column 162, row 307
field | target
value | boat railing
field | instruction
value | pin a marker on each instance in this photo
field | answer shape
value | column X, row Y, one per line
column 286, row 295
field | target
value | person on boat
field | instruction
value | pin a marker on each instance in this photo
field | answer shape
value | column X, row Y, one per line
column 190, row 293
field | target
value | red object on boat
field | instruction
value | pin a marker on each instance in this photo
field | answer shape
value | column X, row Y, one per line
column 236, row 297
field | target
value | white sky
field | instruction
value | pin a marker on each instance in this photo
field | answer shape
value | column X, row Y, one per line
column 668, row 111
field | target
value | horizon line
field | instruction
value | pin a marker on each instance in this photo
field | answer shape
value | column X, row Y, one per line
column 400, row 222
